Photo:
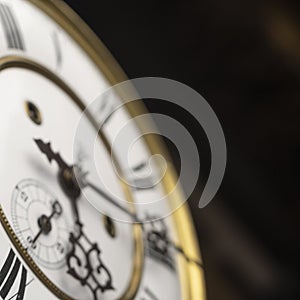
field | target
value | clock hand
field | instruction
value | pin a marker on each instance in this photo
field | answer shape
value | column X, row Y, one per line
column 51, row 155
column 66, row 175
column 68, row 180
column 155, row 236
column 187, row 258
column 111, row 200
column 79, row 258
column 44, row 222
column 89, row 272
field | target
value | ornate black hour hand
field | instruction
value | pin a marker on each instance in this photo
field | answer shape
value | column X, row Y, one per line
column 85, row 265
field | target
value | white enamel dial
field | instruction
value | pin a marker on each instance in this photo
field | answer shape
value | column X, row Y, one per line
column 57, row 228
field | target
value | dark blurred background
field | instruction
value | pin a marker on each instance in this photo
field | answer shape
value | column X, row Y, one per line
column 244, row 58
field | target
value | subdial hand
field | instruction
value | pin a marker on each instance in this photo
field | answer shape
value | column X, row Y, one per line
column 44, row 221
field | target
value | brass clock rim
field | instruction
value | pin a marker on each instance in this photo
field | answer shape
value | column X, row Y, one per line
column 12, row 61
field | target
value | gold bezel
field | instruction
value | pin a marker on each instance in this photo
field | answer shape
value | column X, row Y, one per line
column 138, row 257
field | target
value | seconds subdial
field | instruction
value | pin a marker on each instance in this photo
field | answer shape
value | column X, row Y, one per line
column 40, row 224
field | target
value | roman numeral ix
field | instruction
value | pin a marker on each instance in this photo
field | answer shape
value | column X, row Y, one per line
column 8, row 276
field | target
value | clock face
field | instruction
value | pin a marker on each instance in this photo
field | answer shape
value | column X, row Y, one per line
column 71, row 228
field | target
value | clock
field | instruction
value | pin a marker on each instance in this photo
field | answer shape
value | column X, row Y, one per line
column 66, row 234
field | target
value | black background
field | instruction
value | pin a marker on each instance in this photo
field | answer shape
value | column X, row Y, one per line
column 244, row 58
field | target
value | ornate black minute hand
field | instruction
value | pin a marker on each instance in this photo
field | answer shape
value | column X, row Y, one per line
column 81, row 258
column 51, row 155
column 66, row 175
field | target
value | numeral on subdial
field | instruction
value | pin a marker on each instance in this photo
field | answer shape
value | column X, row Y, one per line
column 11, row 29
column 8, row 278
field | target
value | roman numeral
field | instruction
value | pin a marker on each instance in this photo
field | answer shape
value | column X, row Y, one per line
column 107, row 108
column 142, row 183
column 140, row 166
column 149, row 295
column 167, row 260
column 57, row 47
column 11, row 28
column 8, row 276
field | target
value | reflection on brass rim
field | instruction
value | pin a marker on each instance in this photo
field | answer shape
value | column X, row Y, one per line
column 138, row 258
column 192, row 278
